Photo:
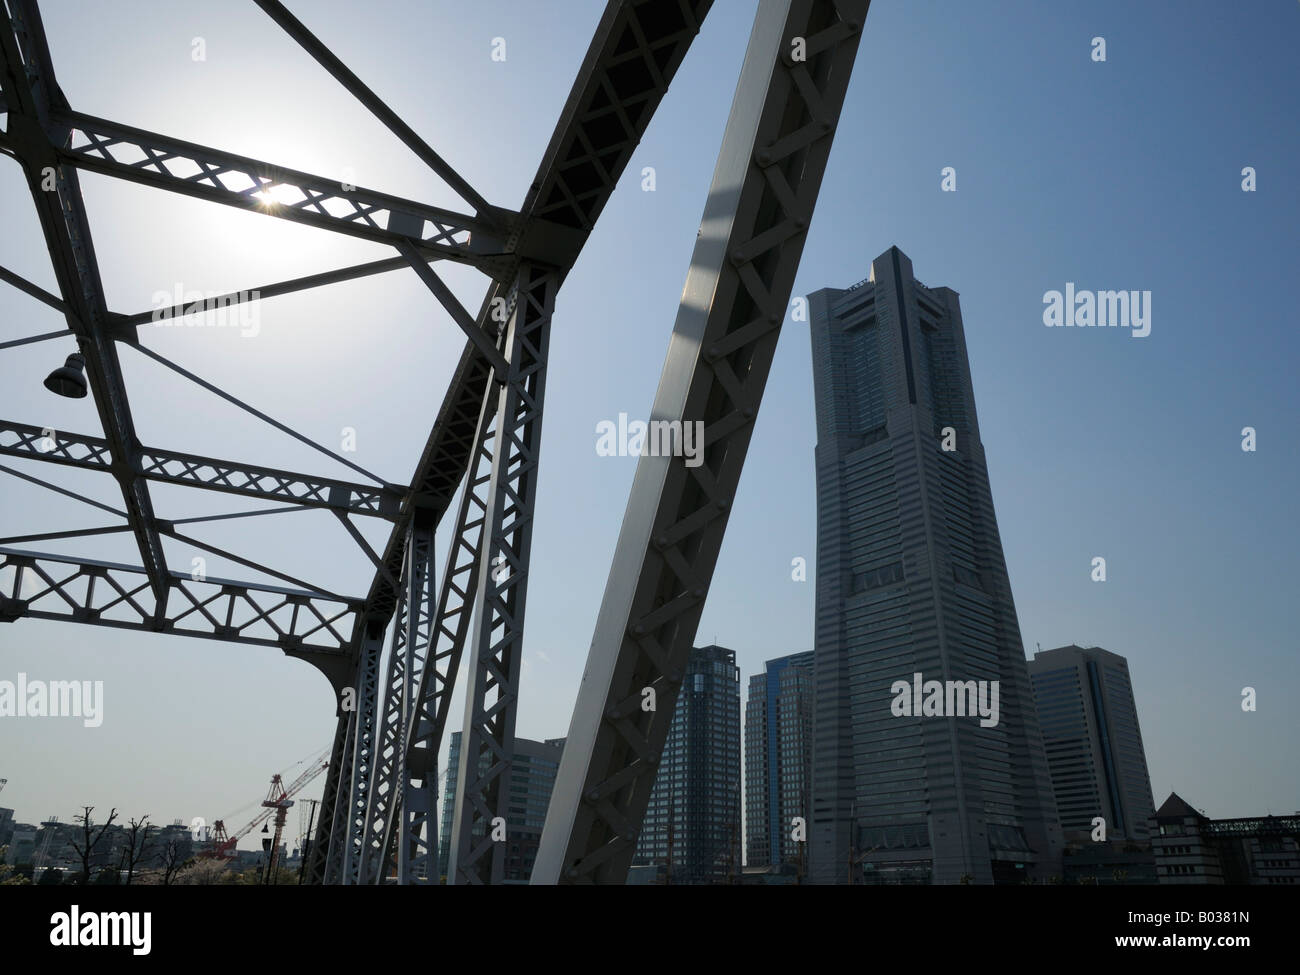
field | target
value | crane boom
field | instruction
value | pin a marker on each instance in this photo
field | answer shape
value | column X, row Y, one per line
column 224, row 845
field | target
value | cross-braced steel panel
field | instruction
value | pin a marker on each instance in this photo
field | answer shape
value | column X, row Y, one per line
column 492, row 680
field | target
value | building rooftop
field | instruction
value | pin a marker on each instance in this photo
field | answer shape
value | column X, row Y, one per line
column 1175, row 807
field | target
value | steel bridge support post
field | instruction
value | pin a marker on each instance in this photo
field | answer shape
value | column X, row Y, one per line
column 406, row 659
column 337, row 837
column 774, row 151
column 320, row 844
column 418, row 843
column 361, row 756
column 492, row 687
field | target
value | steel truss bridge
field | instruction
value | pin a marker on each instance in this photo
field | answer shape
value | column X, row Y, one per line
column 377, row 815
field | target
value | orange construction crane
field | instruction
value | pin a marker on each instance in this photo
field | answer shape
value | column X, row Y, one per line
column 278, row 800
column 224, row 844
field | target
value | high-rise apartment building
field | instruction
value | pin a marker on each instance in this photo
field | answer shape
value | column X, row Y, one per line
column 913, row 785
column 1094, row 745
column 692, row 824
column 778, row 759
column 532, row 777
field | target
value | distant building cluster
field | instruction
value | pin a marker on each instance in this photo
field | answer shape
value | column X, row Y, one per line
column 47, row 852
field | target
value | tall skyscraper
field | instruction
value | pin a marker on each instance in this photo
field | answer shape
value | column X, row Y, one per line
column 1093, row 742
column 694, row 808
column 912, row 589
column 778, row 759
column 532, row 777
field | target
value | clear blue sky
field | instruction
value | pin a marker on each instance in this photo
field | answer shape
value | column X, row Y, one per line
column 1124, row 174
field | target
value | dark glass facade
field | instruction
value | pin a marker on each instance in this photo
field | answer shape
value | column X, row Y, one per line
column 1094, row 745
column 532, row 777
column 911, row 579
column 778, row 757
column 692, row 825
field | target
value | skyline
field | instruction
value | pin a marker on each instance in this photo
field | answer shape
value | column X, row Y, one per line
column 1046, row 664
column 1071, row 420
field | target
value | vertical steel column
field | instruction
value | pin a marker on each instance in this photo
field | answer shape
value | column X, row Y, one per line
column 320, row 844
column 406, row 657
column 769, row 170
column 338, row 818
column 492, row 691
column 413, row 805
column 364, row 736
column 417, row 853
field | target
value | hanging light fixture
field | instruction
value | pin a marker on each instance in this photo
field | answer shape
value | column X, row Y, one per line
column 69, row 379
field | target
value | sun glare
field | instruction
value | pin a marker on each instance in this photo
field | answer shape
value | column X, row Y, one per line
column 278, row 194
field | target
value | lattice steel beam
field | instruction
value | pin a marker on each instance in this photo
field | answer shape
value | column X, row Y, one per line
column 492, row 679
column 192, row 470
column 70, row 449
column 634, row 54
column 55, row 587
column 769, row 170
column 152, row 159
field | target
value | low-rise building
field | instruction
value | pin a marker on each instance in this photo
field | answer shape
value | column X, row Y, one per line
column 1191, row 848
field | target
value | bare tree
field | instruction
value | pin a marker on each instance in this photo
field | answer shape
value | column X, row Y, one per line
column 172, row 861
column 136, row 853
column 86, row 848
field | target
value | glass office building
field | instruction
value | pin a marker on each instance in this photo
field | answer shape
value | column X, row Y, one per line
column 692, row 829
column 1094, row 745
column 532, row 777
column 778, row 760
column 911, row 580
